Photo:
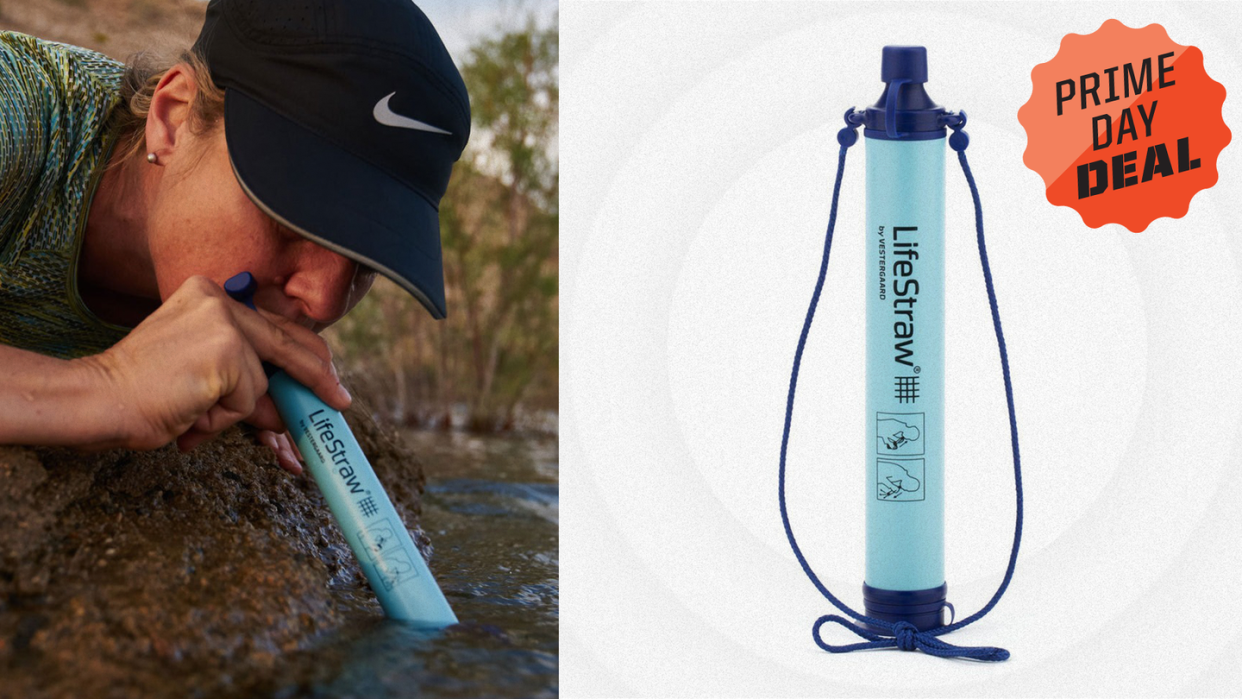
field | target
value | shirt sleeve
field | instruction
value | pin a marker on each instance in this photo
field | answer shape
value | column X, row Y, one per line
column 28, row 120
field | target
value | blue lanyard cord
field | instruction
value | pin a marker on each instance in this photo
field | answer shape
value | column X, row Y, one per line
column 905, row 635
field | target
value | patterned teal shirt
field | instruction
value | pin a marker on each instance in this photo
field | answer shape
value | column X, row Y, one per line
column 55, row 100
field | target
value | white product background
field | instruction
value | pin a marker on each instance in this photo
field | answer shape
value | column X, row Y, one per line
column 698, row 149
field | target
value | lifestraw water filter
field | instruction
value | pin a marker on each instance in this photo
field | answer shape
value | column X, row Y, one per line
column 904, row 590
column 379, row 540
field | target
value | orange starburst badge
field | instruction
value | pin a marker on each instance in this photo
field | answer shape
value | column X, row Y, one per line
column 1124, row 125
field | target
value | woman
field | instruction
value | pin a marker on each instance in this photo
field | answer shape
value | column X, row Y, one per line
column 306, row 143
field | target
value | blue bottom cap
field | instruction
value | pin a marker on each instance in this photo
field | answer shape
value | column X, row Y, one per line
column 923, row 608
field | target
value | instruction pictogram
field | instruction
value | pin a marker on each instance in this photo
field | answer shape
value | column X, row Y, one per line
column 899, row 481
column 899, row 434
column 391, row 560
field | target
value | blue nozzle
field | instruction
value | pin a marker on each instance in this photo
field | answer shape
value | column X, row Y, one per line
column 908, row 63
column 904, row 112
column 241, row 287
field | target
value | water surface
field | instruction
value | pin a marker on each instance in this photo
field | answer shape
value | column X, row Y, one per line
column 491, row 509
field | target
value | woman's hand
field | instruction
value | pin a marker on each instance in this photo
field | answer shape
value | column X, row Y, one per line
column 286, row 451
column 194, row 367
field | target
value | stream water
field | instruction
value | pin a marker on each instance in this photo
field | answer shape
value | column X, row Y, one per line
column 491, row 511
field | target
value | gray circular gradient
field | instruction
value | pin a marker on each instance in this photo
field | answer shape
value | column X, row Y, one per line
column 699, row 146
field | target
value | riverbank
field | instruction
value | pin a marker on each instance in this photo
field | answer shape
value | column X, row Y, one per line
column 116, row 566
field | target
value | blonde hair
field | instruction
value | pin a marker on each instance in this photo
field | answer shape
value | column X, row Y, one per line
column 143, row 72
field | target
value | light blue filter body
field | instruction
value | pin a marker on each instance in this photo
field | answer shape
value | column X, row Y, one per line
column 380, row 541
column 905, row 364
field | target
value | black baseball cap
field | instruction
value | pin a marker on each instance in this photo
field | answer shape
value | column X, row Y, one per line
column 343, row 120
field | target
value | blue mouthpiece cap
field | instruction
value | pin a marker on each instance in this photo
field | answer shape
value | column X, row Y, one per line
column 241, row 287
column 904, row 63
column 904, row 112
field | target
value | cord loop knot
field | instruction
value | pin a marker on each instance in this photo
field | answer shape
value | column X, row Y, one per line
column 904, row 634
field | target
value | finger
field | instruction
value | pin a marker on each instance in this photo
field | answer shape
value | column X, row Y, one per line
column 287, row 448
column 265, row 415
column 267, row 438
column 288, row 460
column 293, row 446
column 302, row 334
column 201, row 424
column 191, row 439
column 291, row 350
column 233, row 406
column 284, row 459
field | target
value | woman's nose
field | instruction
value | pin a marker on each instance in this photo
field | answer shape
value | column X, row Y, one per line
column 323, row 284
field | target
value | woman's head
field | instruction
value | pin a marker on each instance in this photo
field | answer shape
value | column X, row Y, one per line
column 198, row 220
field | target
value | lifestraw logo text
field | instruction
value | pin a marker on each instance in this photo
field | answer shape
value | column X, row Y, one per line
column 335, row 449
column 905, row 290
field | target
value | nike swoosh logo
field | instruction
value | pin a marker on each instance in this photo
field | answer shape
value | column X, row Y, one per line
column 385, row 115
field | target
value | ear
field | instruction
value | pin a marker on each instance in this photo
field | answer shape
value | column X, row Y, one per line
column 168, row 119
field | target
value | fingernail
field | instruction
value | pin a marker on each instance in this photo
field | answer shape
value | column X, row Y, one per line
column 344, row 393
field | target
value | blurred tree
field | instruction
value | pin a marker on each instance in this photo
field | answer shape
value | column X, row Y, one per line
column 497, row 350
column 508, row 273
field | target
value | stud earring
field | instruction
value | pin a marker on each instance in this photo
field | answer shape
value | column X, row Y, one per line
column 151, row 158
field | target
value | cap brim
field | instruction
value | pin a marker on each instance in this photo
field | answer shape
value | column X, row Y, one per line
column 335, row 198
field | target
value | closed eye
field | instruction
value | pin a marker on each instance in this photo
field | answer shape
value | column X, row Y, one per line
column 288, row 235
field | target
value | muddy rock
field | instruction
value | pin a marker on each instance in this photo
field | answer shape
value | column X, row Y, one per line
column 121, row 567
